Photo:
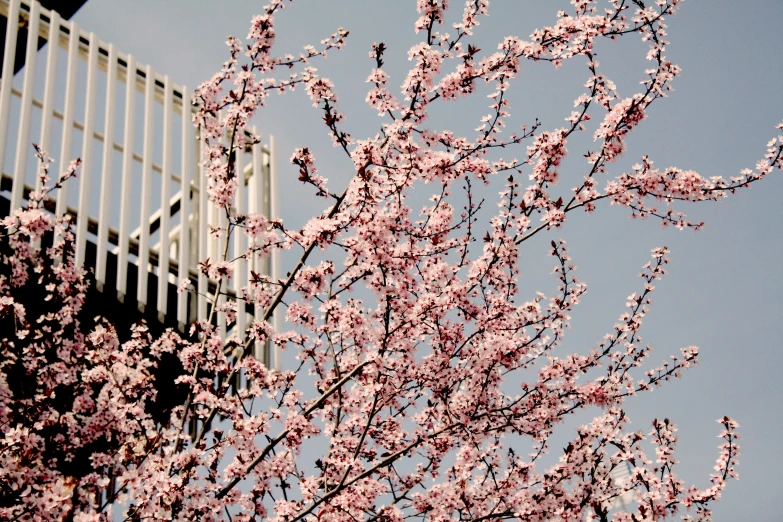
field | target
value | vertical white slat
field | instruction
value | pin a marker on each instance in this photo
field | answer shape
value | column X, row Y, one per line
column 173, row 245
column 240, row 244
column 203, row 233
column 8, row 73
column 214, row 242
column 266, row 260
column 23, row 140
column 274, row 211
column 87, row 166
column 106, row 170
column 70, row 93
column 257, row 201
column 195, row 210
column 184, row 229
column 146, row 187
column 127, row 176
column 222, row 222
column 47, row 114
column 219, row 220
column 165, row 201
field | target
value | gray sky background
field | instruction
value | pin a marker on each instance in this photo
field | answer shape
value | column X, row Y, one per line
column 723, row 291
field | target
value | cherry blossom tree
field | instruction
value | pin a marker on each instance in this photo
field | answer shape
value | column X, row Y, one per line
column 421, row 369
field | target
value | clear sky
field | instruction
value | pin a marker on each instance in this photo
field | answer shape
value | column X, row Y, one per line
column 724, row 290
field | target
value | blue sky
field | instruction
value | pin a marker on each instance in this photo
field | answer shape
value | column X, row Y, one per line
column 724, row 290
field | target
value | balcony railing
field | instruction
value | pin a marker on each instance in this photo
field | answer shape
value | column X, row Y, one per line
column 139, row 196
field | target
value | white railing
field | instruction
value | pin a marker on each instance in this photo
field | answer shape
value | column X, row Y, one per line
column 140, row 188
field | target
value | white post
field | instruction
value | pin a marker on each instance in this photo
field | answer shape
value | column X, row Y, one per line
column 203, row 236
column 240, row 244
column 86, row 172
column 106, row 170
column 127, row 175
column 257, row 199
column 184, row 229
column 274, row 211
column 49, row 88
column 23, row 140
column 214, row 218
column 7, row 83
column 70, row 92
column 222, row 222
column 146, row 182
column 165, row 202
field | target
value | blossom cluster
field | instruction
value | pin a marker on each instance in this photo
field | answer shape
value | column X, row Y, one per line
column 420, row 365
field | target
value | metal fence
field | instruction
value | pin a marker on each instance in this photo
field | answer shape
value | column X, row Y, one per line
column 139, row 196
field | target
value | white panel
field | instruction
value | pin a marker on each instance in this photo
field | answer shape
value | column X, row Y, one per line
column 47, row 115
column 7, row 82
column 165, row 202
column 146, row 187
column 87, row 166
column 185, row 207
column 23, row 141
column 106, row 170
column 127, row 175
